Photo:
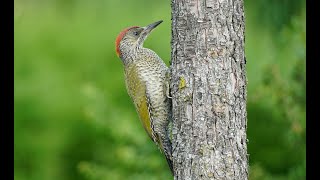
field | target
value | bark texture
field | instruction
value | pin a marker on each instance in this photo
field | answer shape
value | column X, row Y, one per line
column 208, row 87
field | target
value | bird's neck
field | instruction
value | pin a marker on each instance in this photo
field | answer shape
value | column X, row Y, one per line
column 130, row 55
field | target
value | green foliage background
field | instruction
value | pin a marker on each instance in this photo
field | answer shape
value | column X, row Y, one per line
column 75, row 121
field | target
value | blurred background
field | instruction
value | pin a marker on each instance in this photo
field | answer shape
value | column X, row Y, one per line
column 73, row 119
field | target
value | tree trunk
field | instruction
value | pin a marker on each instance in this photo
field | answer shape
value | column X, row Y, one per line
column 208, row 90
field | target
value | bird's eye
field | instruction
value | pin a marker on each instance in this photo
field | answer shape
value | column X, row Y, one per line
column 136, row 33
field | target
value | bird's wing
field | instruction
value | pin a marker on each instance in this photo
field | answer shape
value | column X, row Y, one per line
column 144, row 115
column 136, row 90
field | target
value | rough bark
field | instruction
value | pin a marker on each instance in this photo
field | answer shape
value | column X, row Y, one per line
column 209, row 90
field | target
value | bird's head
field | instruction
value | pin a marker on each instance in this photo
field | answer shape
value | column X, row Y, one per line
column 133, row 37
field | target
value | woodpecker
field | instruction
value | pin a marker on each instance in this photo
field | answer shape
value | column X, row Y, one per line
column 147, row 81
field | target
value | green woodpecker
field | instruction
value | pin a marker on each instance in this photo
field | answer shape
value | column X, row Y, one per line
column 147, row 83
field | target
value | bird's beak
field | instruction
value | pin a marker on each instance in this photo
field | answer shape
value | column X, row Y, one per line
column 150, row 27
column 146, row 31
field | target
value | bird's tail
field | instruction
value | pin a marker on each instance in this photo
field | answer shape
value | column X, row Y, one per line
column 170, row 164
column 167, row 151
